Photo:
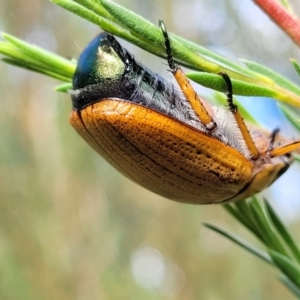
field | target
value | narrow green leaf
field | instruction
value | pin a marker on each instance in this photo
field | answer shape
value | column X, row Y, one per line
column 111, row 27
column 27, row 56
column 290, row 114
column 296, row 66
column 242, row 216
column 287, row 266
column 278, row 79
column 36, row 69
column 241, row 88
column 152, row 34
column 134, row 22
column 244, row 208
column 94, row 7
column 237, row 240
column 282, row 230
column 41, row 56
column 265, row 227
column 64, row 87
column 89, row 15
column 220, row 59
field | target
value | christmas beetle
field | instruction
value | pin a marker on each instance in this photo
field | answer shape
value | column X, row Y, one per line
column 167, row 139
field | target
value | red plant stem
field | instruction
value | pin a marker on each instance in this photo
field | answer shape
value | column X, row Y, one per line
column 282, row 18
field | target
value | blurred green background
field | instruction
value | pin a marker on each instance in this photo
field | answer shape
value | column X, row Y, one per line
column 71, row 227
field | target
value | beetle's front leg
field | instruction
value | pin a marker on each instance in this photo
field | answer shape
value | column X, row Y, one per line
column 199, row 106
column 238, row 118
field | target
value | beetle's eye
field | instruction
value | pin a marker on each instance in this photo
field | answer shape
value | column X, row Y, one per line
column 98, row 62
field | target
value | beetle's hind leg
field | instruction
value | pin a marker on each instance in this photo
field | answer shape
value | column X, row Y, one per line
column 196, row 103
column 271, row 151
column 238, row 118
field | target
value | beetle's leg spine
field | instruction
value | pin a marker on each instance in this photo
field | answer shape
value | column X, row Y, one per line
column 196, row 103
column 238, row 118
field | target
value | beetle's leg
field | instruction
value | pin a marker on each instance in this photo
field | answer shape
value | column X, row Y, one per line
column 284, row 149
column 239, row 120
column 187, row 89
column 279, row 151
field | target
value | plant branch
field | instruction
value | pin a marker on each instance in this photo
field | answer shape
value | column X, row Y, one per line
column 282, row 17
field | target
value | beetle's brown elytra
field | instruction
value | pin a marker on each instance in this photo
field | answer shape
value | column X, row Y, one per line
column 169, row 162
column 171, row 142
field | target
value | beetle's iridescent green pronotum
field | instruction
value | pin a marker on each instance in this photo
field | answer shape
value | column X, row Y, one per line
column 166, row 139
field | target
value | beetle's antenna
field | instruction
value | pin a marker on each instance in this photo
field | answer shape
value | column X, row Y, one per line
column 283, row 150
column 197, row 104
column 239, row 120
column 273, row 135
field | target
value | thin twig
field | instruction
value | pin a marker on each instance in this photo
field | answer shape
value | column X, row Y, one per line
column 282, row 17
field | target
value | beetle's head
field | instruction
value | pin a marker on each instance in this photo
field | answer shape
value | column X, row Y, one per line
column 275, row 153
